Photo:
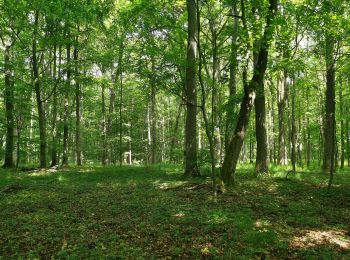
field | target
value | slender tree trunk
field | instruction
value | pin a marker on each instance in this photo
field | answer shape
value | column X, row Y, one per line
column 204, row 111
column 293, row 131
column 66, row 110
column 111, row 111
column 236, row 142
column 121, row 47
column 342, row 136
column 191, row 167
column 77, row 107
column 9, row 108
column 37, row 87
column 175, row 134
column 54, row 160
column 154, row 143
column 329, row 127
column 282, row 101
column 215, row 96
column 104, row 127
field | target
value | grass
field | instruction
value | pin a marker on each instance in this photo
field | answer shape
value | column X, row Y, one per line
column 140, row 212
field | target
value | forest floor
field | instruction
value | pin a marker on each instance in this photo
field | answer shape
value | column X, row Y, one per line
column 140, row 212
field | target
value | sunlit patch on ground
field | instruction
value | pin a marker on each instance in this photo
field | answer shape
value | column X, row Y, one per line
column 312, row 238
column 179, row 214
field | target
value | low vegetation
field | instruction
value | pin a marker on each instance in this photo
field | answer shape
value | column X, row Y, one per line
column 154, row 212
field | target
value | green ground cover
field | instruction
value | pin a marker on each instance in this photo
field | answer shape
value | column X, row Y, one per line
column 154, row 212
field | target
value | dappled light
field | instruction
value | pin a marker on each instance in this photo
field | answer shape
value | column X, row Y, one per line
column 175, row 129
column 312, row 238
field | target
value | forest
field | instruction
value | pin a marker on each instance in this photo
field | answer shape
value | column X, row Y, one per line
column 175, row 129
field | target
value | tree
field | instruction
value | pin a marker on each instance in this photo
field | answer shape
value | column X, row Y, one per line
column 191, row 167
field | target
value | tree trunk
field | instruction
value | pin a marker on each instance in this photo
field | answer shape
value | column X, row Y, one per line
column 329, row 126
column 120, row 60
column 154, row 143
column 40, row 103
column 282, row 101
column 66, row 110
column 191, row 167
column 293, row 131
column 230, row 118
column 54, row 161
column 9, row 108
column 236, row 142
column 261, row 164
column 77, row 107
column 104, row 127
column 342, row 137
column 175, row 134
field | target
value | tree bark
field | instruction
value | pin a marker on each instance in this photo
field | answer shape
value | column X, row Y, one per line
column 261, row 164
column 329, row 126
column 104, row 127
column 342, row 128
column 236, row 142
column 282, row 101
column 66, row 110
column 154, row 143
column 191, row 167
column 40, row 103
column 77, row 106
column 9, row 108
column 54, row 160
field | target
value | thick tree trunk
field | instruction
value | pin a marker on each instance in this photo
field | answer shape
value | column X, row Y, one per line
column 329, row 119
column 77, row 107
column 261, row 164
column 236, row 142
column 231, row 113
column 9, row 108
column 191, row 167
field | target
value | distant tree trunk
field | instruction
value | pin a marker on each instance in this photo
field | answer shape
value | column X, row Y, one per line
column 154, row 143
column 191, row 167
column 120, row 60
column 111, row 111
column 236, row 142
column 293, row 131
column 329, row 126
column 54, row 160
column 40, row 102
column 66, row 110
column 209, row 132
column 9, row 108
column 215, row 122
column 282, row 101
column 104, row 127
column 342, row 128
column 77, row 107
column 348, row 139
column 175, row 134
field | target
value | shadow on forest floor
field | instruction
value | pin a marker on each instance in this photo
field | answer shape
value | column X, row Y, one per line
column 139, row 212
